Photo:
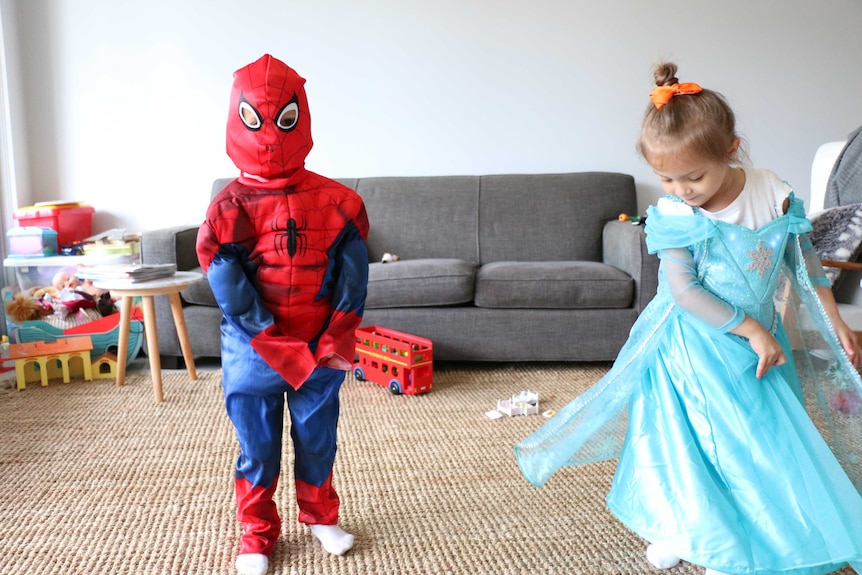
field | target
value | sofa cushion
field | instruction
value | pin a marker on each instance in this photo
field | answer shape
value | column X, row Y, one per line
column 560, row 285
column 410, row 283
column 199, row 293
column 550, row 217
column 422, row 217
column 420, row 283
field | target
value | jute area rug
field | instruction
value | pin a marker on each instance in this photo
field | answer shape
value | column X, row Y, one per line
column 96, row 479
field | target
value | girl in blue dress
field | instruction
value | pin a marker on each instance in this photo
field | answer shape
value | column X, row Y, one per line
column 720, row 463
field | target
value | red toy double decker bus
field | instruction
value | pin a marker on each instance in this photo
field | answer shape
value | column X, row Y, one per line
column 393, row 359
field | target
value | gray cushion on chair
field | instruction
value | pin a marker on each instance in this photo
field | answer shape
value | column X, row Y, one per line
column 558, row 285
column 836, row 236
column 420, row 283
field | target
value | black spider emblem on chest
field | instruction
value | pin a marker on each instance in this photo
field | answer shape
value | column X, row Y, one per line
column 291, row 237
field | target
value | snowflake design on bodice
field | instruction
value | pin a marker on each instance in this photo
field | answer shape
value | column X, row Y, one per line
column 761, row 259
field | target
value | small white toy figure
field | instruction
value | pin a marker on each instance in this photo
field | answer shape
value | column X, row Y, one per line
column 284, row 250
column 720, row 464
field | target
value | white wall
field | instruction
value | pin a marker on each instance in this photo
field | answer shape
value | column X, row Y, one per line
column 126, row 102
column 14, row 168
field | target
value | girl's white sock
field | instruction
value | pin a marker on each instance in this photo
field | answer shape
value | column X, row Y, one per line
column 661, row 556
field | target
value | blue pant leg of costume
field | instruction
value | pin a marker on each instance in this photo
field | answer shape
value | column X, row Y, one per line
column 258, row 421
column 314, row 410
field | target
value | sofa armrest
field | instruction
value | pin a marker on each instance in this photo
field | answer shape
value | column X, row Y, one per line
column 624, row 247
column 171, row 245
column 167, row 246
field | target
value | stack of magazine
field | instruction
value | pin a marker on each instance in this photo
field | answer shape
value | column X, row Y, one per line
column 126, row 273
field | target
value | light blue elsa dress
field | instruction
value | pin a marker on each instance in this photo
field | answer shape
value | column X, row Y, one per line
column 725, row 469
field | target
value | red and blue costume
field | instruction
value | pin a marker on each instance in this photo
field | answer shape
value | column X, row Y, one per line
column 285, row 255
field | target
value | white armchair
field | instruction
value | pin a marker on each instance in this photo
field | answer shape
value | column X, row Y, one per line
column 847, row 291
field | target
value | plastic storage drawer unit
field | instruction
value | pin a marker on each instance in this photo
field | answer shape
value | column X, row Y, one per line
column 32, row 241
column 73, row 222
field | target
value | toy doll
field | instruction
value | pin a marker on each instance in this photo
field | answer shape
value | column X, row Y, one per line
column 284, row 251
column 74, row 294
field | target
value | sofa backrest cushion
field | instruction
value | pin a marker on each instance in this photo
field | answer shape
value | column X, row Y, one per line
column 550, row 217
column 483, row 219
column 422, row 217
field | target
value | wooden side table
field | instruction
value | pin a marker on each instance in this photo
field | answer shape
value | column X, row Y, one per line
column 170, row 286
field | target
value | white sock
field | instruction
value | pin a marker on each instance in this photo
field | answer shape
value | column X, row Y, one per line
column 661, row 556
column 333, row 538
column 252, row 564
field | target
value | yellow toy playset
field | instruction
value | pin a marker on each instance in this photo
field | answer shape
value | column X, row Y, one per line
column 105, row 366
column 41, row 360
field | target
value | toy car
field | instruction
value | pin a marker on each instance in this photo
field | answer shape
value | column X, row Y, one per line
column 401, row 362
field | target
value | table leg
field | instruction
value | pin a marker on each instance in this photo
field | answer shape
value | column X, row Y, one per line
column 153, row 346
column 183, row 334
column 123, row 340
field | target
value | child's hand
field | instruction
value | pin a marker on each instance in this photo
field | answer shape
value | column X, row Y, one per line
column 848, row 340
column 768, row 351
column 767, row 348
column 846, row 336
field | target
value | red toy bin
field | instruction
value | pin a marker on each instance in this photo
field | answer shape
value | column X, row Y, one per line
column 72, row 221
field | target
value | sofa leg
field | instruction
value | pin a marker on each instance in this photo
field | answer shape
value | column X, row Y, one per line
column 172, row 362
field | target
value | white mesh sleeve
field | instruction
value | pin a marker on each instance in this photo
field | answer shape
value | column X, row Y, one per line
column 677, row 268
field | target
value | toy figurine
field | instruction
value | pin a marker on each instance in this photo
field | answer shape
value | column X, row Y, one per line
column 285, row 254
column 635, row 220
column 23, row 308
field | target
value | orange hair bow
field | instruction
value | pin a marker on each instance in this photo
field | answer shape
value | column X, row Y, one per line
column 662, row 94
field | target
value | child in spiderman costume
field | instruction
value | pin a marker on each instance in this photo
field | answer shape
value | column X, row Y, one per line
column 284, row 251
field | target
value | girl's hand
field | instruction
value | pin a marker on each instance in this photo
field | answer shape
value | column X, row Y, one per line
column 767, row 348
column 768, row 351
column 846, row 336
column 848, row 340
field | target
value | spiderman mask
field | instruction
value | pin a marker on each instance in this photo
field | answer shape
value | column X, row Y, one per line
column 268, row 127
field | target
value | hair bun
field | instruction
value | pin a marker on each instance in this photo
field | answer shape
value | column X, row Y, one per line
column 665, row 74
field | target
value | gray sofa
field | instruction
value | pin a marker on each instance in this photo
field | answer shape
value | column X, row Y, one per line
column 492, row 268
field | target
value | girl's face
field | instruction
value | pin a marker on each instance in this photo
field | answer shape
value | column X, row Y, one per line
column 700, row 183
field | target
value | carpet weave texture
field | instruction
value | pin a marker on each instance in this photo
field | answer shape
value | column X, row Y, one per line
column 96, row 479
